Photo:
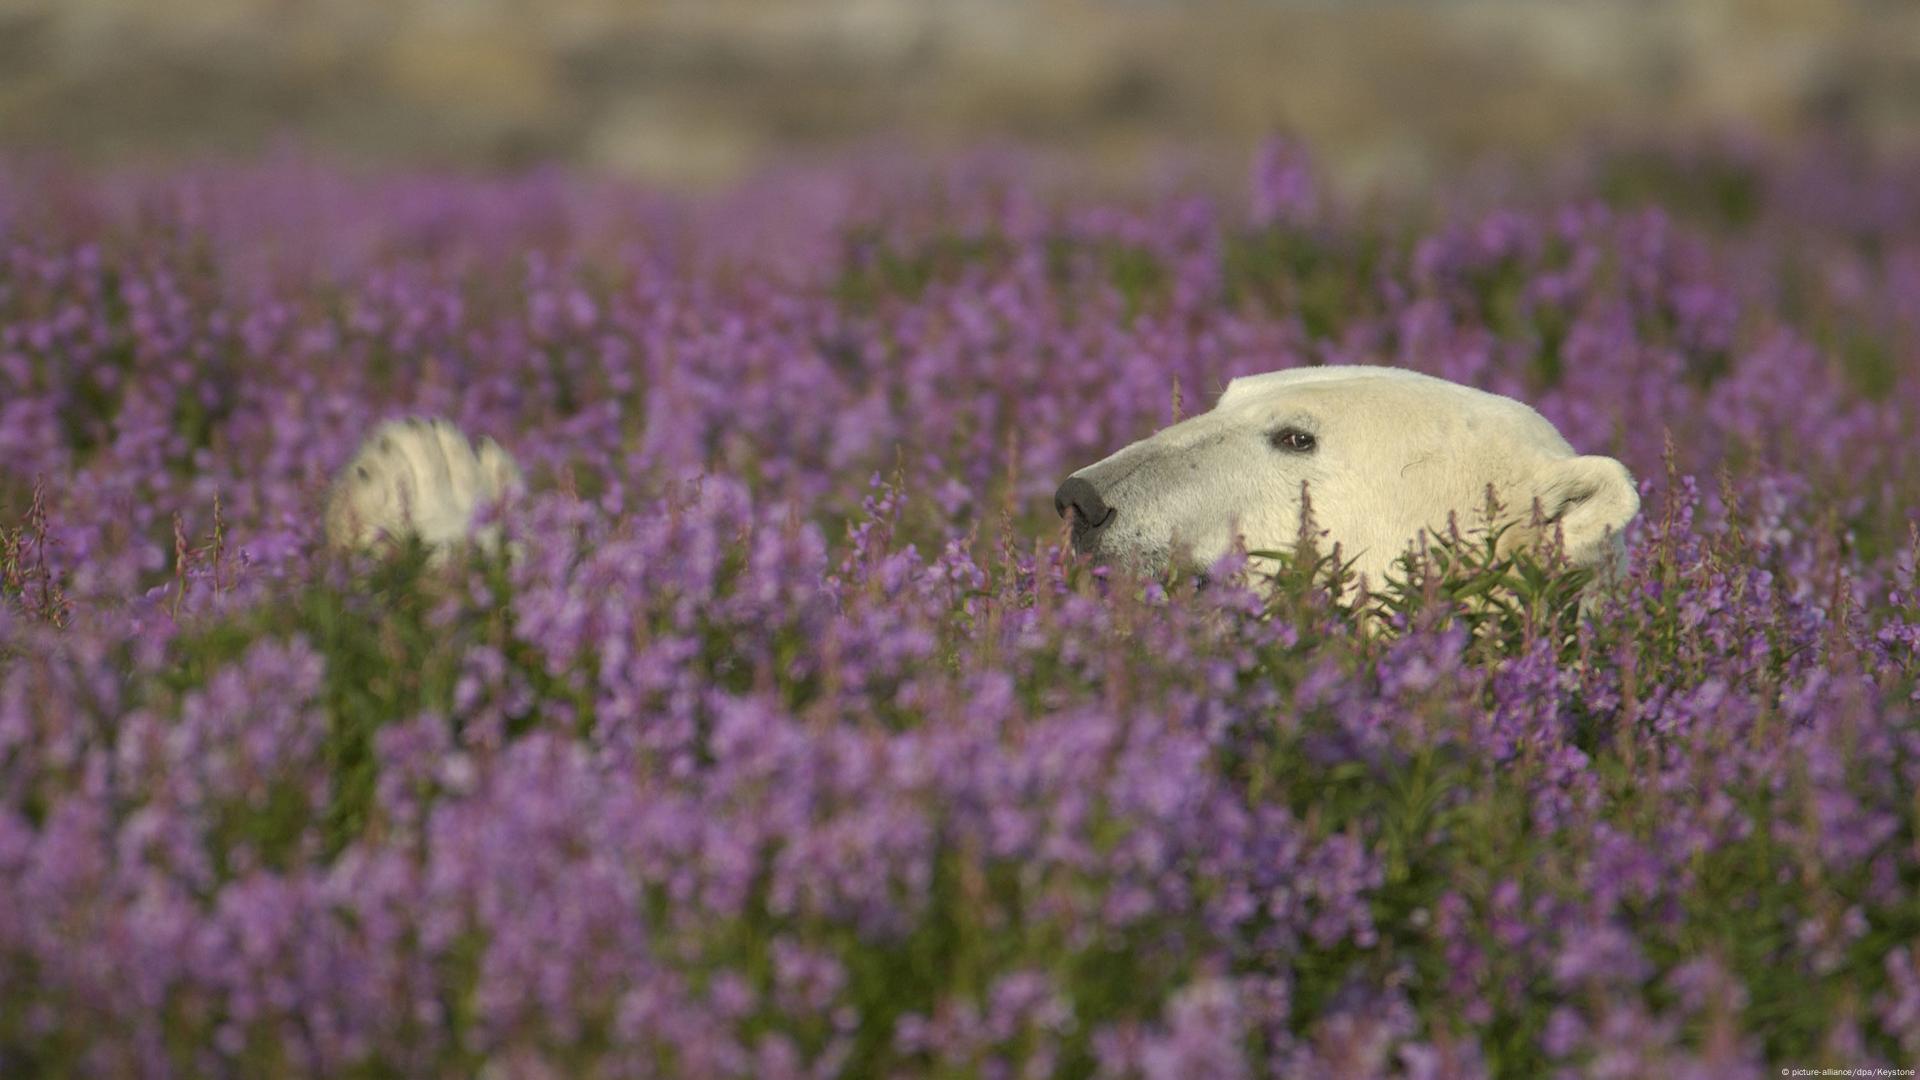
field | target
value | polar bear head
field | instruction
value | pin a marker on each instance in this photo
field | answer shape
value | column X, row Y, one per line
column 421, row 477
column 1383, row 453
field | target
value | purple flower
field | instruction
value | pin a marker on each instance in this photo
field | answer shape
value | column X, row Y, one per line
column 791, row 740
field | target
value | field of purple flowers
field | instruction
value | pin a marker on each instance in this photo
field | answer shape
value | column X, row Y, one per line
column 796, row 745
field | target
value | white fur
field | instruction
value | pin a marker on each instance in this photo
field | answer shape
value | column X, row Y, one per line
column 1395, row 454
column 418, row 477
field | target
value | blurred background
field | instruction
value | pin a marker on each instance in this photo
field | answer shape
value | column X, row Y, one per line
column 695, row 92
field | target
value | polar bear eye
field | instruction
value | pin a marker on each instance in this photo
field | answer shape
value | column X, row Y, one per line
column 1292, row 438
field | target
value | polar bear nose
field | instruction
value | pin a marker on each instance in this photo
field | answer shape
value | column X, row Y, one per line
column 1090, row 511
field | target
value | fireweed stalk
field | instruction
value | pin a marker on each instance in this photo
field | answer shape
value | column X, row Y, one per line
column 794, row 744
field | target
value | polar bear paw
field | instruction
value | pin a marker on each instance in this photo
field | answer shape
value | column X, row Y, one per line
column 417, row 477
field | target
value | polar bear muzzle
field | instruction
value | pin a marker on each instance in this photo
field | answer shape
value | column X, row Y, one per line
column 1090, row 513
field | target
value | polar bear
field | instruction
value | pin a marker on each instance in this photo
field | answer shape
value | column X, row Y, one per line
column 417, row 477
column 1384, row 454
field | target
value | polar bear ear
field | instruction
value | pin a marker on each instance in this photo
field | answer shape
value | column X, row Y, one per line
column 499, row 474
column 1590, row 500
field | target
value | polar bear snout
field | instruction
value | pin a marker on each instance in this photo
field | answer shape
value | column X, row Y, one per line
column 1090, row 513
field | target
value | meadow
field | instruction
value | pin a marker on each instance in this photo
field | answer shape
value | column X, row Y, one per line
column 795, row 743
